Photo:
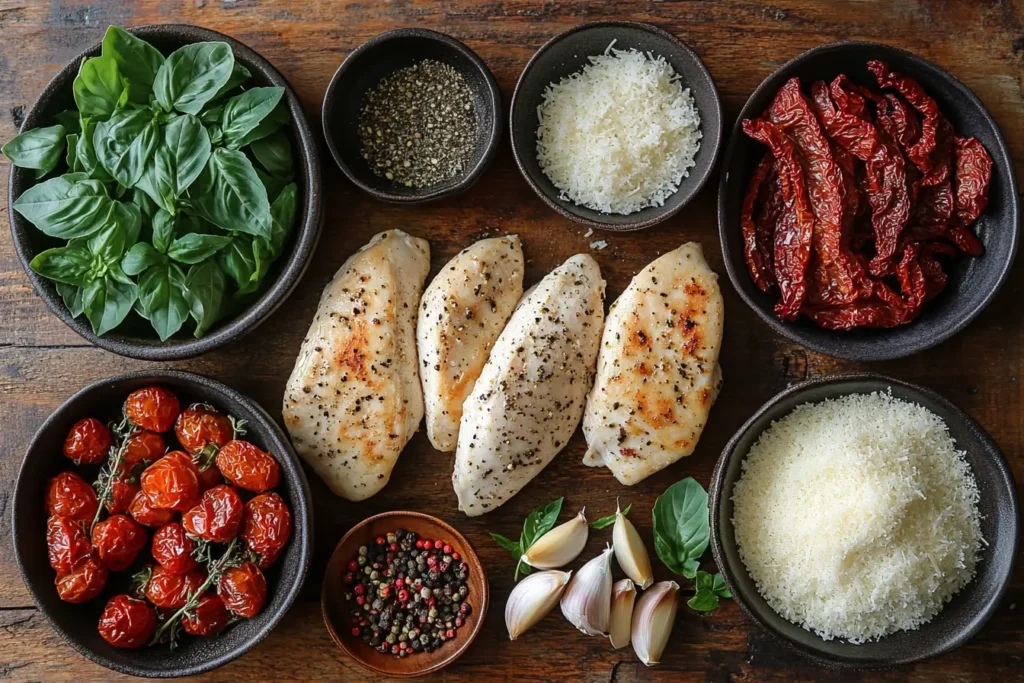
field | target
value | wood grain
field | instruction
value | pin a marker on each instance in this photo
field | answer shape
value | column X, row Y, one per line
column 42, row 362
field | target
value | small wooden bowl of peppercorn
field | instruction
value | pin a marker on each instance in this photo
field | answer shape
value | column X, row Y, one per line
column 412, row 116
column 409, row 578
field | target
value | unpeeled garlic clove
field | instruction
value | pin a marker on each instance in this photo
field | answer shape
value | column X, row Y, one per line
column 621, row 617
column 653, row 618
column 587, row 601
column 630, row 551
column 532, row 599
column 560, row 546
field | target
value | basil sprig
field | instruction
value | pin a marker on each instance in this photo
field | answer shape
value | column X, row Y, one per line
column 536, row 524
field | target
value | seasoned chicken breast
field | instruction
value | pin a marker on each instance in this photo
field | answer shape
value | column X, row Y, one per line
column 461, row 315
column 657, row 372
column 353, row 399
column 529, row 397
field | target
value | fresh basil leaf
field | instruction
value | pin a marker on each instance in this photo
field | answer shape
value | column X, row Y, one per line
column 703, row 581
column 73, row 298
column 140, row 257
column 177, row 162
column 163, row 231
column 610, row 519
column 229, row 194
column 70, row 120
column 719, row 586
column 107, row 247
column 70, row 265
column 539, row 522
column 137, row 60
column 39, row 148
column 681, row 526
column 205, row 285
column 99, row 87
column 239, row 75
column 243, row 112
column 125, row 144
column 211, row 115
column 238, row 262
column 272, row 185
column 163, row 300
column 275, row 153
column 268, row 126
column 106, row 301
column 129, row 217
column 261, row 251
column 192, row 248
column 507, row 544
column 703, row 601
column 71, row 156
column 66, row 207
column 282, row 215
column 192, row 75
column 86, row 152
column 147, row 207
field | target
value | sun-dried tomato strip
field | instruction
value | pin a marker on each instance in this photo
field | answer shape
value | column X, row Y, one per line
column 965, row 240
column 773, row 212
column 973, row 175
column 921, row 151
column 912, row 281
column 935, row 276
column 755, row 261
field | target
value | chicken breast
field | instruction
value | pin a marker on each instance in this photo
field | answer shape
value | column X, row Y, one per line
column 657, row 372
column 530, row 395
column 353, row 399
column 461, row 315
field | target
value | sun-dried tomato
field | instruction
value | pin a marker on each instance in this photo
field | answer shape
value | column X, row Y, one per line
column 756, row 262
column 972, row 177
column 921, row 151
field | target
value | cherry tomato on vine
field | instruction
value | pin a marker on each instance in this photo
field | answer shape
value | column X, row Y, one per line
column 127, row 622
column 153, row 408
column 209, row 618
column 172, row 482
column 68, row 495
column 266, row 526
column 143, row 512
column 171, row 591
column 199, row 425
column 243, row 589
column 117, row 541
column 172, row 549
column 88, row 442
column 217, row 516
column 84, row 582
column 143, row 446
column 248, row 467
column 67, row 543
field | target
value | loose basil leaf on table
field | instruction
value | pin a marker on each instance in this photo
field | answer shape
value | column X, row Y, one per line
column 179, row 158
column 681, row 527
column 107, row 300
column 193, row 248
column 274, row 152
column 245, row 111
column 39, row 148
column 125, row 143
column 67, row 206
column 536, row 524
column 136, row 59
column 192, row 75
column 204, row 289
column 610, row 519
column 709, row 589
column 230, row 195
column 99, row 88
column 162, row 297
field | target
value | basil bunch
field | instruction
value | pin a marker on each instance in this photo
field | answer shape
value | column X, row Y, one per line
column 177, row 193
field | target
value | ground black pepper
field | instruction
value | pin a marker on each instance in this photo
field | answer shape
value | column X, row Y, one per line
column 417, row 127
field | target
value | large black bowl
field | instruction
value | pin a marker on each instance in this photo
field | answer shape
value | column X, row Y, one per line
column 973, row 281
column 77, row 623
column 135, row 337
column 969, row 609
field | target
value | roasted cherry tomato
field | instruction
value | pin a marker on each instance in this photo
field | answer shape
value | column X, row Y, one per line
column 217, row 517
column 68, row 495
column 266, row 526
column 209, row 478
column 243, row 589
column 173, row 549
column 247, row 467
column 117, row 541
column 123, row 490
column 199, row 425
column 171, row 591
column 143, row 512
column 143, row 446
column 67, row 543
column 127, row 622
column 152, row 408
column 208, row 618
column 88, row 442
column 84, row 582
column 172, row 482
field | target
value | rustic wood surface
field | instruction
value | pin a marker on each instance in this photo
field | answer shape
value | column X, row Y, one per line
column 42, row 362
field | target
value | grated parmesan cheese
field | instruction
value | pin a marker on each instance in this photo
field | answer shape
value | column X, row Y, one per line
column 620, row 135
column 857, row 517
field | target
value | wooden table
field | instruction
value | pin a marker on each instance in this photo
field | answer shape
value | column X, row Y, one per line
column 42, row 362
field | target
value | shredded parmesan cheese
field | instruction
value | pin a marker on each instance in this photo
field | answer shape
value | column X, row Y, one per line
column 857, row 517
column 620, row 135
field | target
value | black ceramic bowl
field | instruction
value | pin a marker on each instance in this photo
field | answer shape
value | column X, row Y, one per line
column 77, row 623
column 973, row 281
column 135, row 337
column 385, row 54
column 969, row 609
column 566, row 54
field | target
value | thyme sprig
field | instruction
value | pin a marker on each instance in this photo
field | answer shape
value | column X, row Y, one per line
column 104, row 484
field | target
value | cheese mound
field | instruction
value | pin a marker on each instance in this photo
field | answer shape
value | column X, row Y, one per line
column 620, row 135
column 857, row 517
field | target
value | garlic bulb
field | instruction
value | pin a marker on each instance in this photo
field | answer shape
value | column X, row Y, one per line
column 653, row 617
column 560, row 546
column 621, row 617
column 532, row 599
column 587, row 601
column 630, row 551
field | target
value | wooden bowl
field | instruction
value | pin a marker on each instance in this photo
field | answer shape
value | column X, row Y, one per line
column 335, row 607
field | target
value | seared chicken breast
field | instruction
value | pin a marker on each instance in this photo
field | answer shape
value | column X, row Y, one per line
column 530, row 395
column 461, row 315
column 657, row 372
column 353, row 399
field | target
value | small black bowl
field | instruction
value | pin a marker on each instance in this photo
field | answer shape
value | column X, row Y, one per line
column 135, row 338
column 969, row 609
column 973, row 281
column 385, row 54
column 77, row 623
column 566, row 54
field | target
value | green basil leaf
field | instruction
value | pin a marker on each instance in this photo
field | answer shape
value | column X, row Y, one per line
column 282, row 215
column 268, row 126
column 610, row 519
column 69, row 265
column 238, row 261
column 163, row 300
column 86, row 152
column 681, row 526
column 137, row 60
column 147, row 207
column 229, row 194
column 125, row 144
column 163, row 231
column 106, row 301
column 129, row 217
column 39, row 148
column 73, row 298
column 211, row 115
column 261, row 251
column 71, row 156
column 66, row 207
column 192, row 75
column 108, row 246
column 205, row 285
column 243, row 112
column 193, row 248
column 719, row 586
column 177, row 162
column 239, row 75
column 703, row 581
column 140, row 257
column 275, row 153
column 539, row 522
column 272, row 185
column 70, row 120
column 98, row 88
column 509, row 545
column 703, row 601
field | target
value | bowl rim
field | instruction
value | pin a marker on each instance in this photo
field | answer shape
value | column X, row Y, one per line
column 306, row 235
column 714, row 144
column 426, row 194
column 302, row 513
column 715, row 493
column 860, row 351
column 485, row 598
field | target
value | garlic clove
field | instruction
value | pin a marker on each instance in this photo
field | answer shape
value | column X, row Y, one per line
column 587, row 601
column 630, row 551
column 621, row 616
column 653, row 618
column 532, row 599
column 559, row 546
